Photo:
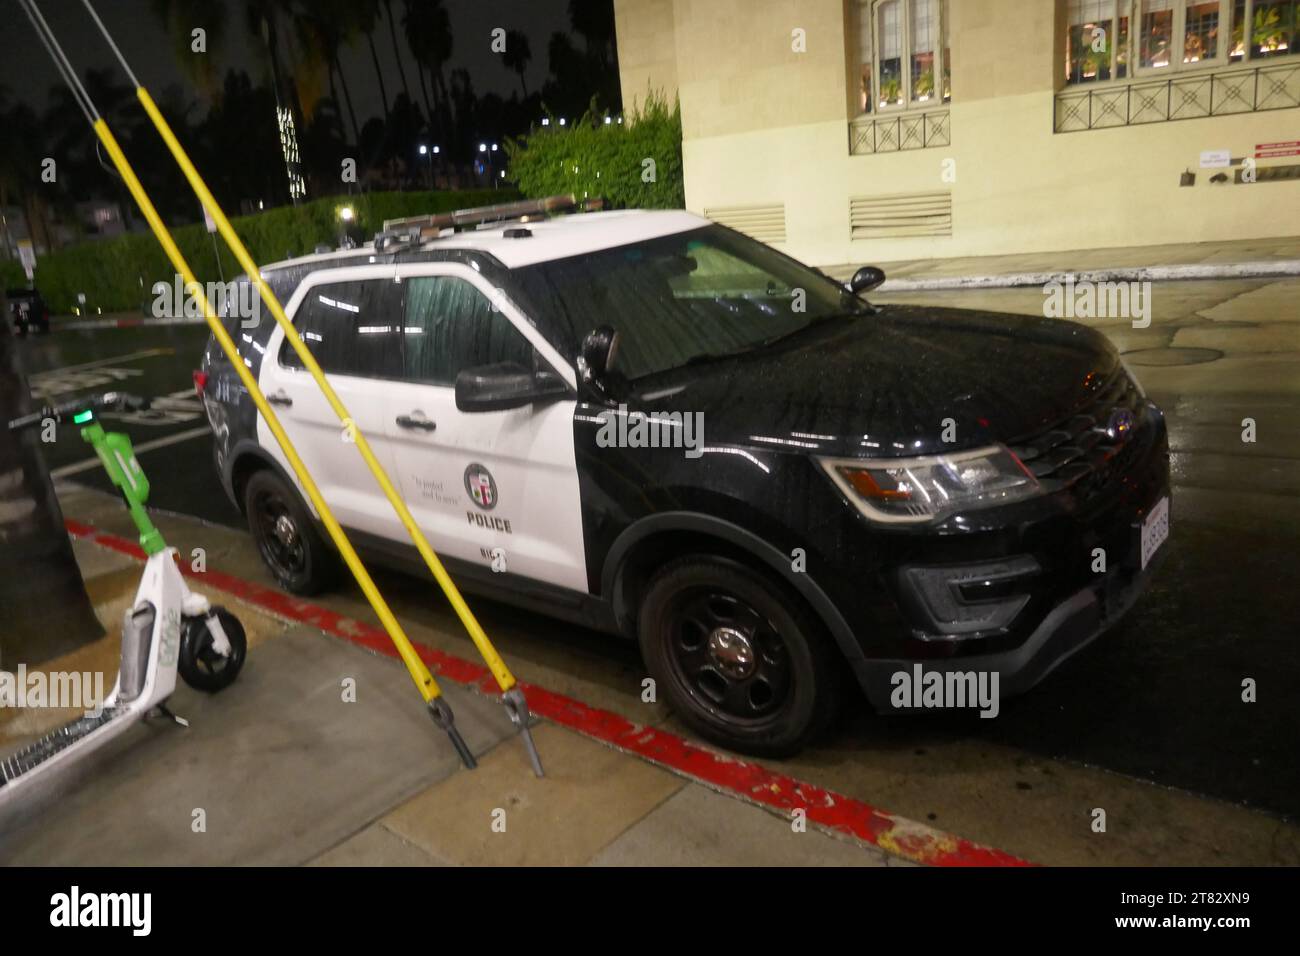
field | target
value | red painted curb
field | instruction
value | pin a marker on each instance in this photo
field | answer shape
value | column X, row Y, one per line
column 749, row 781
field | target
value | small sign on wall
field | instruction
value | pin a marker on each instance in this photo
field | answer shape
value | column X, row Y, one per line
column 1215, row 158
column 27, row 256
column 1271, row 150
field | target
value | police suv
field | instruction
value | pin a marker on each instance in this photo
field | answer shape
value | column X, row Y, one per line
column 652, row 425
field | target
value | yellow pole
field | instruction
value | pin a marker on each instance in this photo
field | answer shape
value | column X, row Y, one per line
column 505, row 680
column 419, row 672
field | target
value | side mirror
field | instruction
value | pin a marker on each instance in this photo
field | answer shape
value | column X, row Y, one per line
column 865, row 279
column 599, row 349
column 495, row 388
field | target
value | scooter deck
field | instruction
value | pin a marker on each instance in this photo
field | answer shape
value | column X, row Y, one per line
column 55, row 742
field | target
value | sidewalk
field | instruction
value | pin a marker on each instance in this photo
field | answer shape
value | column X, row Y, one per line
column 281, row 769
column 1198, row 260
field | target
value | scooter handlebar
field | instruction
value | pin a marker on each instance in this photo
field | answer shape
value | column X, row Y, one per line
column 107, row 402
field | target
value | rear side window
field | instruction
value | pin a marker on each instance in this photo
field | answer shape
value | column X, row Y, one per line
column 451, row 326
column 351, row 328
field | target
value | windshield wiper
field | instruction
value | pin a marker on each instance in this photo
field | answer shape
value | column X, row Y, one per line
column 820, row 320
column 704, row 357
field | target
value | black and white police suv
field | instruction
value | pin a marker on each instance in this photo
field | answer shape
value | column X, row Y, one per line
column 654, row 426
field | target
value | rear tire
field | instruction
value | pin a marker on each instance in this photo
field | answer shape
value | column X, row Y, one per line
column 738, row 656
column 286, row 536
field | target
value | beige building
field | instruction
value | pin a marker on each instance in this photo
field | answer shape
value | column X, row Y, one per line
column 873, row 130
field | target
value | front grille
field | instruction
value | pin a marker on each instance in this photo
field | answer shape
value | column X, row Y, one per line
column 1089, row 442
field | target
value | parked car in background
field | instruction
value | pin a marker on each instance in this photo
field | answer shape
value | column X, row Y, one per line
column 27, row 311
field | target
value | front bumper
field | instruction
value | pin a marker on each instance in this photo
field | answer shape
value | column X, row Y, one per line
column 1067, row 629
column 1038, row 566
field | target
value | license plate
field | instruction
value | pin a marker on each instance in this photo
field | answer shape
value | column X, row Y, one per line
column 1155, row 529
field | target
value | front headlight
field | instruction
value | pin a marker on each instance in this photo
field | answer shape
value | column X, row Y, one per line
column 921, row 489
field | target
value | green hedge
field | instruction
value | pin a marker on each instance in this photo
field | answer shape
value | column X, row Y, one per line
column 595, row 158
column 12, row 275
column 116, row 274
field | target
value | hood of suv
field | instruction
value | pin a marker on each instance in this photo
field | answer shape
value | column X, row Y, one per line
column 884, row 384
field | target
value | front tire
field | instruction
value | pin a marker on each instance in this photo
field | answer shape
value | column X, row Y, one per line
column 289, row 543
column 198, row 661
column 738, row 656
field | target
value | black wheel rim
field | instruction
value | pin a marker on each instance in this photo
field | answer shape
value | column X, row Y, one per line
column 278, row 535
column 205, row 656
column 729, row 657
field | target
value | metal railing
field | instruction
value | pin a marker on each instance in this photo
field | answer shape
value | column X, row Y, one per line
column 1189, row 96
column 901, row 131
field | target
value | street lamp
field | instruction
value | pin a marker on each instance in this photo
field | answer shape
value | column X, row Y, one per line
column 345, row 216
column 428, row 152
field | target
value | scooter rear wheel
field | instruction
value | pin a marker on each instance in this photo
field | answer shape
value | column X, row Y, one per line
column 199, row 663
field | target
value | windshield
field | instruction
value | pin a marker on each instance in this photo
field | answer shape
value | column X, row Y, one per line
column 706, row 293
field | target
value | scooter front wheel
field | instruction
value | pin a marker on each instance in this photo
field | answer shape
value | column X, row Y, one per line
column 201, row 665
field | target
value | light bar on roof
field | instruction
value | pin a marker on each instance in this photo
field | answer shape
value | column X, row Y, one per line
column 419, row 228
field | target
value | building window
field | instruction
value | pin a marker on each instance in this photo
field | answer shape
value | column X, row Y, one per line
column 862, row 40
column 1274, row 28
column 1097, row 41
column 902, row 54
column 1173, row 35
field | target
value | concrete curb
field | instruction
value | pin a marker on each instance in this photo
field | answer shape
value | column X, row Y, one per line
column 724, row 773
column 81, row 324
column 1231, row 270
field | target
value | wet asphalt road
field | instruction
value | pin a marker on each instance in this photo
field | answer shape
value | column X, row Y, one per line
column 1158, row 698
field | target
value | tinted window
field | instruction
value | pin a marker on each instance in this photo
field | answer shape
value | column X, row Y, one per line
column 705, row 292
column 351, row 328
column 451, row 325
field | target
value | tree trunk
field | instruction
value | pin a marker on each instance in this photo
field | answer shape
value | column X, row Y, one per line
column 4, row 220
column 347, row 96
column 379, row 75
column 424, row 93
column 443, row 96
column 397, row 56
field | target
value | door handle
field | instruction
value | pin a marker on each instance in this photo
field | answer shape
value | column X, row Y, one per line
column 422, row 423
column 279, row 398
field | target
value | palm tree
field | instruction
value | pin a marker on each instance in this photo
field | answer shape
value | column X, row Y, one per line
column 367, row 17
column 324, row 28
column 397, row 55
column 428, row 32
column 517, row 56
column 181, row 18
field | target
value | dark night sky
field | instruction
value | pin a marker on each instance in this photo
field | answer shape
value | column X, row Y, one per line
column 27, row 73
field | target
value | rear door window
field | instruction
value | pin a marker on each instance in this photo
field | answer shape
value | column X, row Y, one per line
column 351, row 328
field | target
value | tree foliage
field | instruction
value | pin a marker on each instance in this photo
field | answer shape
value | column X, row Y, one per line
column 634, row 164
column 118, row 274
